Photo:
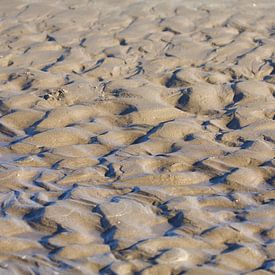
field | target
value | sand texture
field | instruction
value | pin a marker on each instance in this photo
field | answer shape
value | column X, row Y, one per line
column 137, row 137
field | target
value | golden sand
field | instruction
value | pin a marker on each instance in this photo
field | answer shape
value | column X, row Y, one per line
column 137, row 137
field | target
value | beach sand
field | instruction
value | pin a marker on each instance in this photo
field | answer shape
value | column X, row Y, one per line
column 137, row 137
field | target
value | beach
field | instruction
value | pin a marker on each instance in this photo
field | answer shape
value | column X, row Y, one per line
column 137, row 137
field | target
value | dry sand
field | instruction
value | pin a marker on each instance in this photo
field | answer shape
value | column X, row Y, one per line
column 137, row 137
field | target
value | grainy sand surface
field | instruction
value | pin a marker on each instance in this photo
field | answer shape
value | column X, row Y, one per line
column 137, row 137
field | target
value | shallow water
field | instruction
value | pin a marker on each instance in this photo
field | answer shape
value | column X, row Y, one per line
column 137, row 137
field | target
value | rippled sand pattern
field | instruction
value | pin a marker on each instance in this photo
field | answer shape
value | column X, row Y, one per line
column 137, row 137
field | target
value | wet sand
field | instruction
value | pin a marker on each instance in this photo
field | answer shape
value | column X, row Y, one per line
column 137, row 137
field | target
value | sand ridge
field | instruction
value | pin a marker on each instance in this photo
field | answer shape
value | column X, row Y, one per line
column 137, row 137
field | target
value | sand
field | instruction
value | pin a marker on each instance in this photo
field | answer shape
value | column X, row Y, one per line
column 137, row 137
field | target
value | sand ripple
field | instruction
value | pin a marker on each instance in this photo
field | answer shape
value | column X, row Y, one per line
column 137, row 137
